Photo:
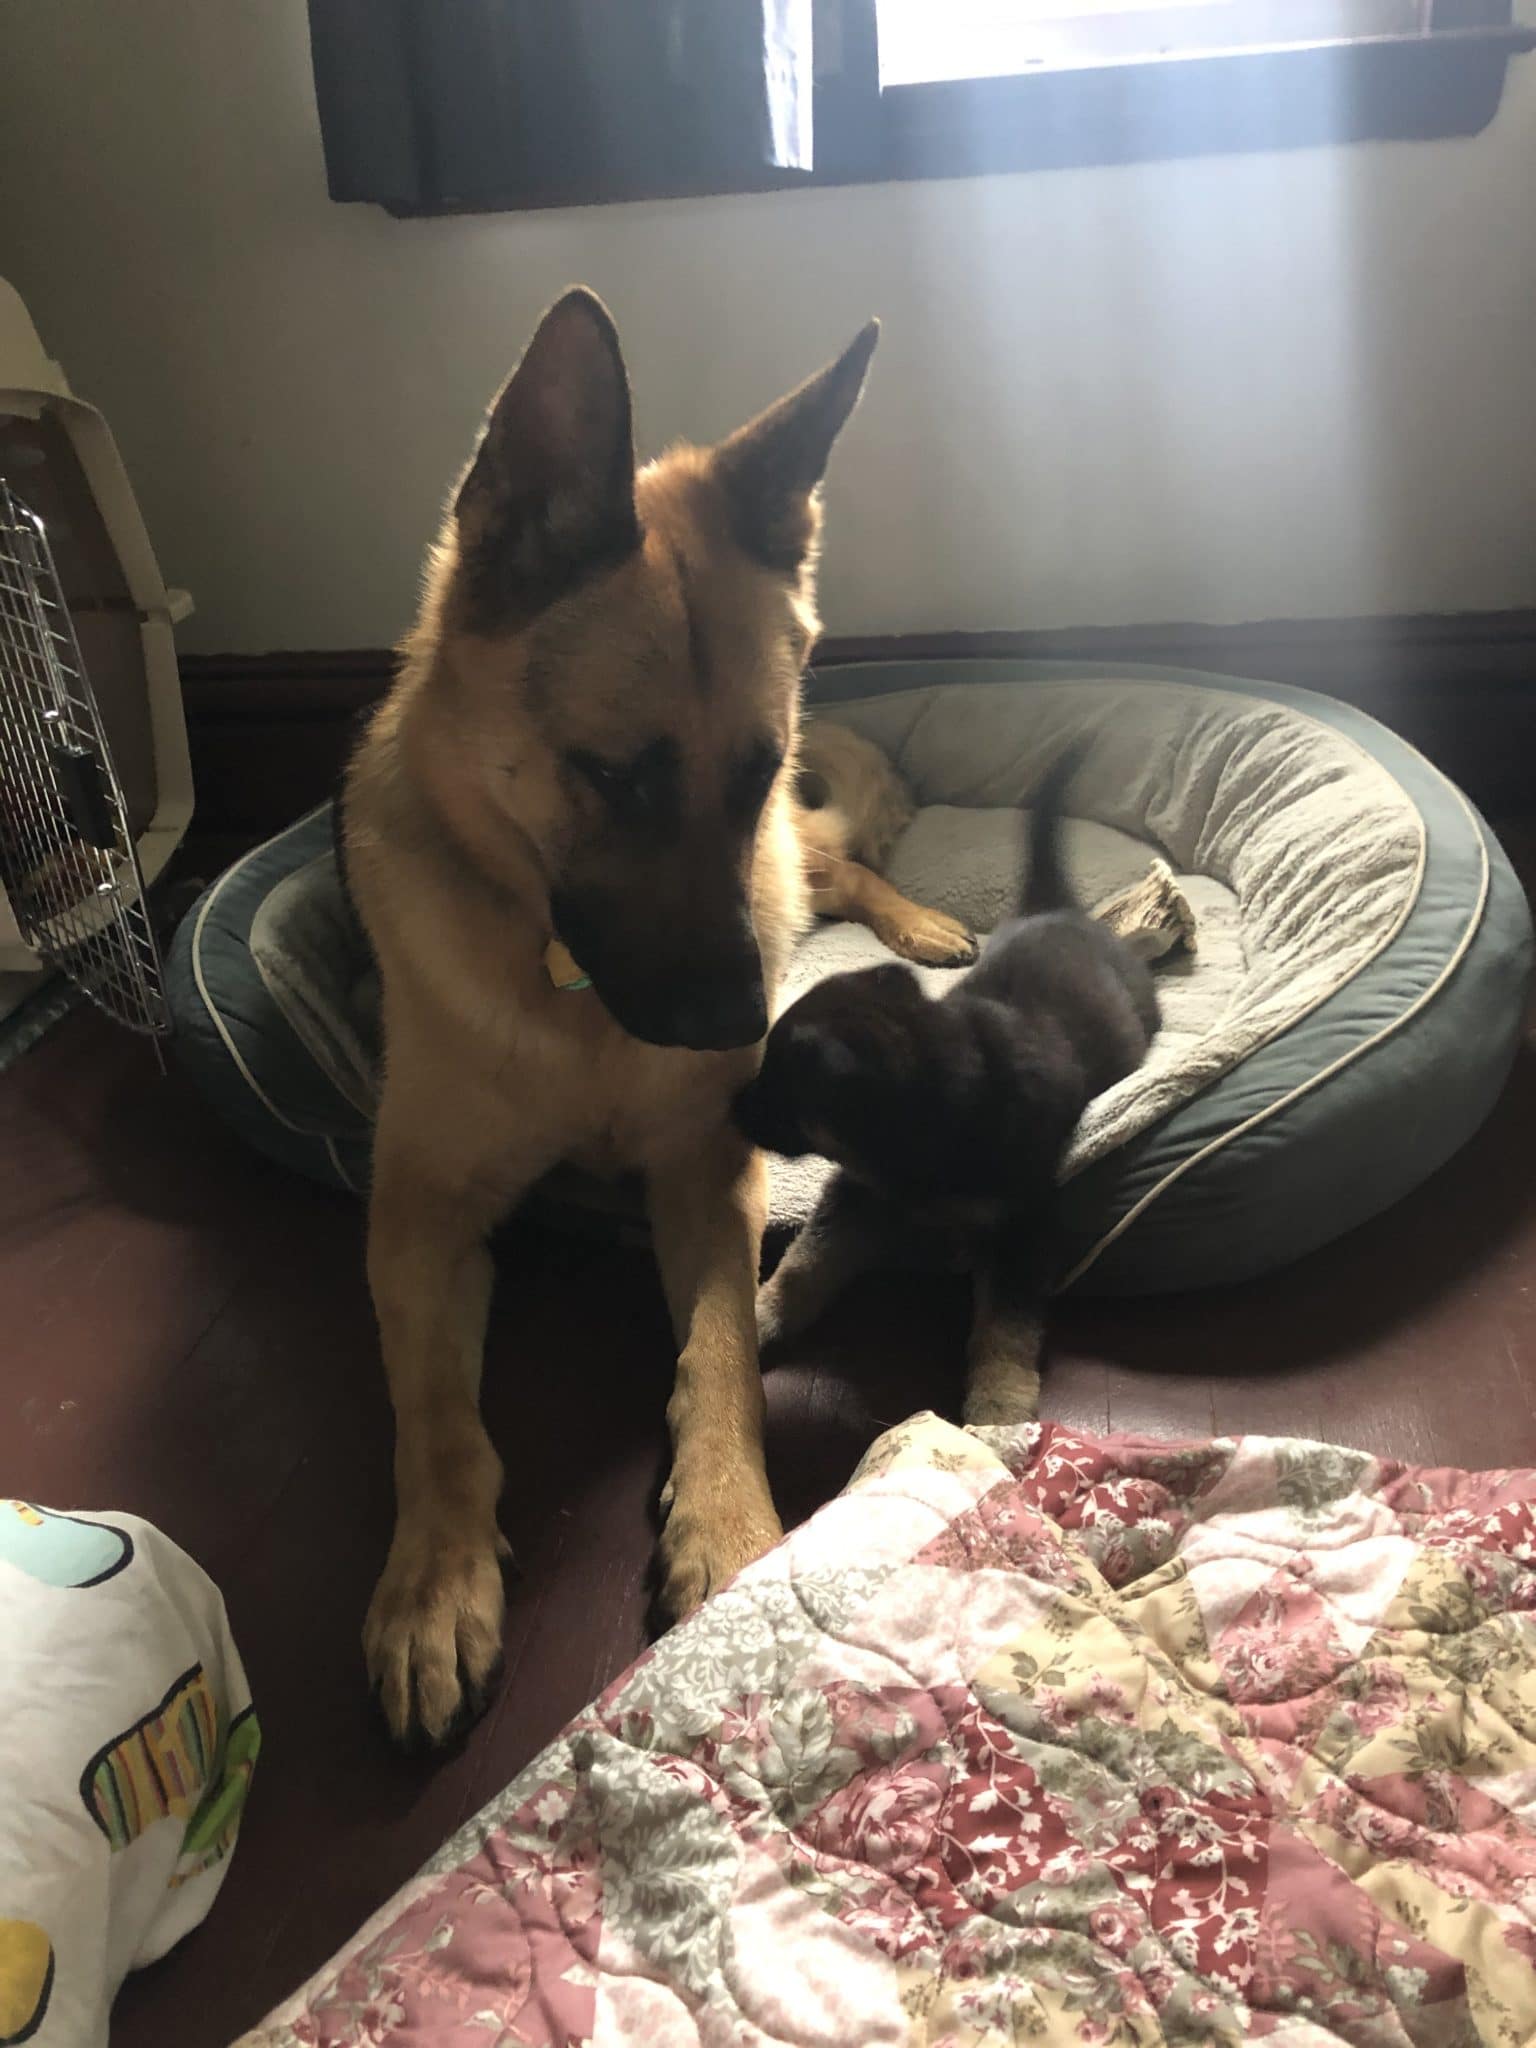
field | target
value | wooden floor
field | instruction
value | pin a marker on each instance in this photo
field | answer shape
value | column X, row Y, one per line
column 187, row 1337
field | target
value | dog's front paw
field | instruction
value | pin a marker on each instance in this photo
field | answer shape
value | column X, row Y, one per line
column 712, row 1532
column 433, row 1635
column 928, row 937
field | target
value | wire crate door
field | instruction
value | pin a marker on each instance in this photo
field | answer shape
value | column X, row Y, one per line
column 68, row 860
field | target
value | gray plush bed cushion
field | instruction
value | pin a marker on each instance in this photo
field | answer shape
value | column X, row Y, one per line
column 1299, row 853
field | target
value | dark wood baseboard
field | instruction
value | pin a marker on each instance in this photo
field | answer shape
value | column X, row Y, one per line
column 270, row 732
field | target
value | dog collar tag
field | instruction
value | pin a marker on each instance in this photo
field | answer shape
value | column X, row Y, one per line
column 562, row 969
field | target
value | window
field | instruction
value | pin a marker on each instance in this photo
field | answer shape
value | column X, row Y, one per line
column 979, row 85
column 921, row 44
column 491, row 105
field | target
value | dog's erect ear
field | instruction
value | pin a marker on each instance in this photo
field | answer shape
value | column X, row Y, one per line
column 550, row 495
column 771, row 467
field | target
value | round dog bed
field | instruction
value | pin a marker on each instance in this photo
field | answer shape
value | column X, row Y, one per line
column 1344, row 1022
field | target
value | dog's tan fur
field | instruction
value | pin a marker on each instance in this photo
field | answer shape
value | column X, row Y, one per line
column 462, row 811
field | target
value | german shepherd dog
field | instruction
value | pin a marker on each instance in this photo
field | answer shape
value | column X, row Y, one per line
column 590, row 754
column 948, row 1120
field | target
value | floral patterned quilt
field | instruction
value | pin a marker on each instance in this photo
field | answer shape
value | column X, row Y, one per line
column 1026, row 1737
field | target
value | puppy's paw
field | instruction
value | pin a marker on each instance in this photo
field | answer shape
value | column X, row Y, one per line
column 786, row 1306
column 1003, row 1368
column 773, row 1321
column 999, row 1400
column 929, row 938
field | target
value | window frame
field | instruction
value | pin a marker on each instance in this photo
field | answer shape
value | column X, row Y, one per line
column 1445, row 81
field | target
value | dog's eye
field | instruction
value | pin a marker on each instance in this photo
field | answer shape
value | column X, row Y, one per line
column 613, row 784
column 751, row 780
column 642, row 795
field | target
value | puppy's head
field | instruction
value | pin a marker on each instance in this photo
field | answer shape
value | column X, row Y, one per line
column 838, row 1068
column 616, row 657
column 940, row 1106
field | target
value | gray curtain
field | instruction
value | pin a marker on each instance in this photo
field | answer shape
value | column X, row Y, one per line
column 437, row 105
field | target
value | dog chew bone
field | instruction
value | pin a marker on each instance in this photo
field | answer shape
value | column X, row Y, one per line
column 1152, row 916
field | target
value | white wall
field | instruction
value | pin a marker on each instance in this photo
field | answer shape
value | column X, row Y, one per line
column 1239, row 388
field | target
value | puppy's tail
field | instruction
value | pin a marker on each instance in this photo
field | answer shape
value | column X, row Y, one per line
column 1046, row 886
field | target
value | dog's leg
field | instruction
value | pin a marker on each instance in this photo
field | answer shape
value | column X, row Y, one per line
column 852, row 801
column 707, row 1216
column 843, row 1237
column 843, row 888
column 433, row 1633
column 1003, row 1356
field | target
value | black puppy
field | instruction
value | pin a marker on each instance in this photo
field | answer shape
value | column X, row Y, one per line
column 948, row 1119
